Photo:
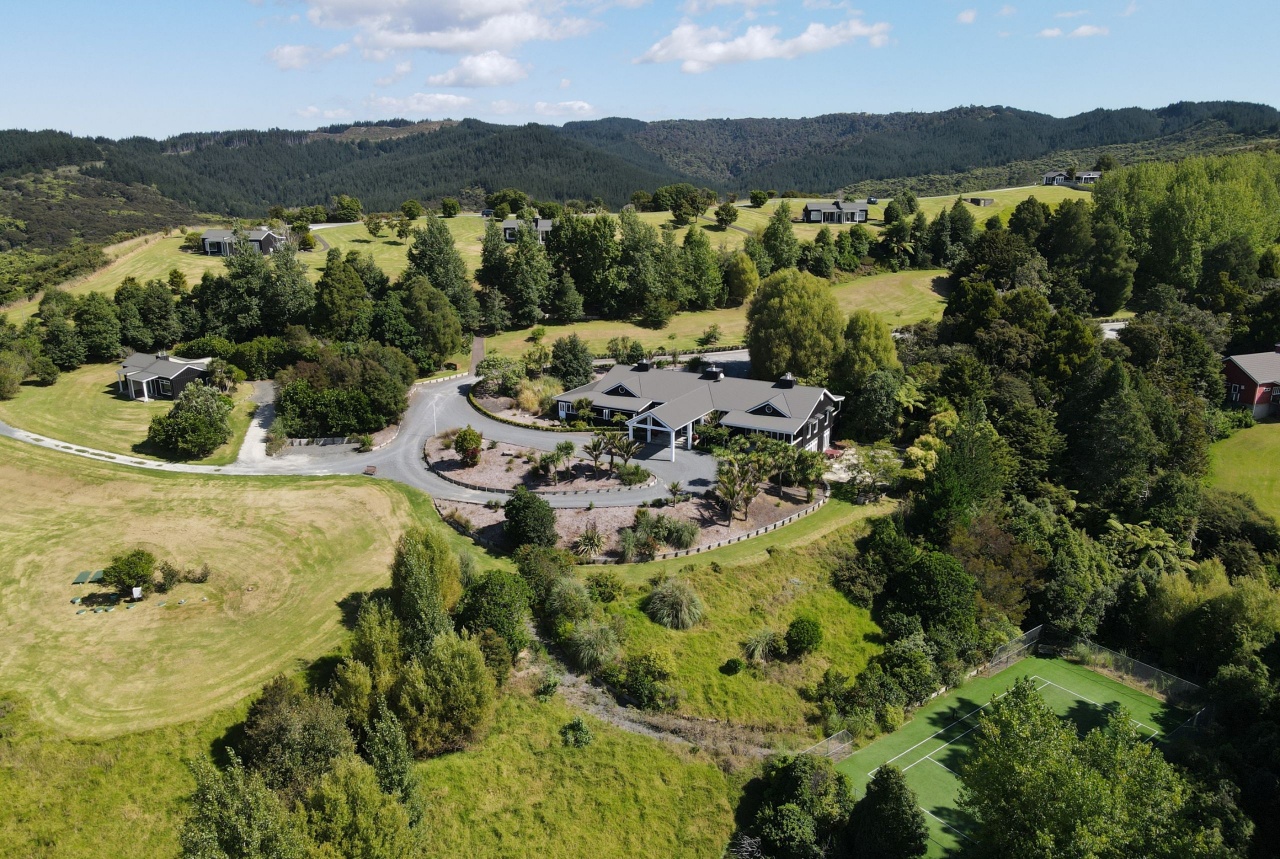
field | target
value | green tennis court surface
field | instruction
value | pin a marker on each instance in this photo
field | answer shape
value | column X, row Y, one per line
column 931, row 748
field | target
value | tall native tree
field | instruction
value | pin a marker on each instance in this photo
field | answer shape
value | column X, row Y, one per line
column 434, row 255
column 795, row 325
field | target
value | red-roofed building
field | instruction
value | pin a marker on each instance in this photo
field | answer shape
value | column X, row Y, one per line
column 1253, row 380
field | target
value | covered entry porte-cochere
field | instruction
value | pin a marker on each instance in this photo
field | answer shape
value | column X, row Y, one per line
column 649, row 428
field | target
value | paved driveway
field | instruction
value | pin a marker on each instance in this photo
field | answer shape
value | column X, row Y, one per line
column 433, row 408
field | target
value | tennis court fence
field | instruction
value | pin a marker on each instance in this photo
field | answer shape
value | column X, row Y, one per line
column 1010, row 652
column 1156, row 683
column 837, row 747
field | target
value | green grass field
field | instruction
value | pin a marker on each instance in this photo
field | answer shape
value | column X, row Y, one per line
column 82, row 408
column 285, row 551
column 902, row 298
column 1006, row 200
column 518, row 792
column 931, row 748
column 1234, row 465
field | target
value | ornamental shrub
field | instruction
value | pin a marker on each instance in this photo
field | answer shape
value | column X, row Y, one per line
column 803, row 636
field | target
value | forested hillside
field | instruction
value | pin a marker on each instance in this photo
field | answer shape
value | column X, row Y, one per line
column 244, row 172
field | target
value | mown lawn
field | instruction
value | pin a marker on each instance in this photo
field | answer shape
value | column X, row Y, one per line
column 743, row 596
column 1006, row 200
column 1243, row 463
column 902, row 298
column 285, row 552
column 82, row 408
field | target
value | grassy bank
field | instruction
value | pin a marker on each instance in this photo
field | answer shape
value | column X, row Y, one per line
column 1239, row 464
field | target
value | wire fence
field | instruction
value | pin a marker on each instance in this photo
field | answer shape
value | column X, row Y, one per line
column 1158, row 684
column 837, row 747
column 1011, row 651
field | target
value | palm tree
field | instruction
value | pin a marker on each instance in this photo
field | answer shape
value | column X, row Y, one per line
column 626, row 447
column 675, row 489
column 564, row 453
column 611, row 440
column 590, row 542
column 595, row 450
column 731, row 486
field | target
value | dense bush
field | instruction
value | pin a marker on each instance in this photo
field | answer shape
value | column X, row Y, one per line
column 642, row 678
column 593, row 644
column 196, row 426
column 530, row 521
column 498, row 601
column 291, row 737
column 344, row 393
column 468, row 444
column 134, row 569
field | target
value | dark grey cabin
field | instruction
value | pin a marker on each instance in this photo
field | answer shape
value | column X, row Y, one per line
column 835, row 212
column 143, row 376
column 220, row 243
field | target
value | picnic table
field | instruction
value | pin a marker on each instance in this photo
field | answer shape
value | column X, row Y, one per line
column 82, row 577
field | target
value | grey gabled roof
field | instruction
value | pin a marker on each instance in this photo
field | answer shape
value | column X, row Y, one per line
column 542, row 225
column 1262, row 367
column 836, row 206
column 143, row 366
column 255, row 235
column 685, row 397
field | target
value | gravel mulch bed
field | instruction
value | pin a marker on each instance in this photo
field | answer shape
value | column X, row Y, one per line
column 508, row 466
column 764, row 510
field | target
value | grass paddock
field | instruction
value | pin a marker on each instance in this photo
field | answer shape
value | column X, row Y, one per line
column 1234, row 465
column 285, row 552
column 931, row 748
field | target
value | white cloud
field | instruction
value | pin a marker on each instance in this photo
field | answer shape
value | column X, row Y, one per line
column 563, row 108
column 488, row 69
column 313, row 112
column 292, row 56
column 453, row 26
column 1007, row 10
column 565, row 83
column 1076, row 14
column 968, row 16
column 697, row 7
column 502, row 106
column 1051, row 33
column 699, row 49
column 1130, row 9
column 420, row 103
column 1087, row 30
column 398, row 73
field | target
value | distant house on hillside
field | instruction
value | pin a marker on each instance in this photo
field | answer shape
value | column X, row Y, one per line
column 220, row 243
column 671, row 405
column 981, row 201
column 1060, row 177
column 1253, row 381
column 835, row 212
column 511, row 229
column 143, row 376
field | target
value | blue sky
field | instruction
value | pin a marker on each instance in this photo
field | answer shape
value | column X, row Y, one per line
column 159, row 68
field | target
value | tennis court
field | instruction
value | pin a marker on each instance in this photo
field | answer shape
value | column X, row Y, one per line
column 931, row 747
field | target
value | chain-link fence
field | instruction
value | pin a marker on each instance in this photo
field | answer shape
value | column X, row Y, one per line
column 1156, row 683
column 837, row 747
column 1011, row 651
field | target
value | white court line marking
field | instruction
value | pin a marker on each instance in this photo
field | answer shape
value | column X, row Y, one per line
column 944, row 823
column 945, row 767
column 953, row 739
column 1154, row 732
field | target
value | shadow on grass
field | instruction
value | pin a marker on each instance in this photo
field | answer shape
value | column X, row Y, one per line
column 942, row 285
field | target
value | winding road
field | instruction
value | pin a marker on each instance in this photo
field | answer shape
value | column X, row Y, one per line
column 433, row 408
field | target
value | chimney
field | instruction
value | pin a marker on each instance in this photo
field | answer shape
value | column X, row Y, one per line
column 1278, row 347
column 712, row 373
column 787, row 381
column 642, row 365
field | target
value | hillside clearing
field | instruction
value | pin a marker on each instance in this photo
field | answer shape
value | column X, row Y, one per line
column 1235, row 465
column 285, row 552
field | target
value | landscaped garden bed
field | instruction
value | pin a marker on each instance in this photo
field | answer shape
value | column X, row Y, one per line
column 505, row 466
column 486, row 522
